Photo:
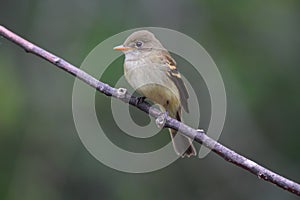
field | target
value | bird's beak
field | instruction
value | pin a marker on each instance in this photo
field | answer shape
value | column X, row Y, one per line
column 122, row 48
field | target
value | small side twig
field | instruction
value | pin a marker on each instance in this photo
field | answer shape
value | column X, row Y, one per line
column 198, row 135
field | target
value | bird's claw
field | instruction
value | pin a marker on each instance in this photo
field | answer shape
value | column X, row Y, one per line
column 139, row 100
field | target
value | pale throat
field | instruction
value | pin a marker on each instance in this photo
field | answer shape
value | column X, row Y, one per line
column 135, row 55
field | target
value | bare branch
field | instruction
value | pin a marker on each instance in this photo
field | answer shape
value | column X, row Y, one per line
column 198, row 135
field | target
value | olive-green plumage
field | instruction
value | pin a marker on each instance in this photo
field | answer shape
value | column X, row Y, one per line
column 150, row 69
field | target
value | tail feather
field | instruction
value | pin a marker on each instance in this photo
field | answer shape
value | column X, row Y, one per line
column 182, row 145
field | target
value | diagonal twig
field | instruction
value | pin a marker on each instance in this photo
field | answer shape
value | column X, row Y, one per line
column 198, row 135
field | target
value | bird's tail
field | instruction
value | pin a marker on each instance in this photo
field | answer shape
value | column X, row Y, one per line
column 182, row 145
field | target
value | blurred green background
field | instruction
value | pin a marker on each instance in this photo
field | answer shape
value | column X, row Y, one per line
column 255, row 44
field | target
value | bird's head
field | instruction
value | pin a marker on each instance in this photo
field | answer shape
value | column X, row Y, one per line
column 140, row 43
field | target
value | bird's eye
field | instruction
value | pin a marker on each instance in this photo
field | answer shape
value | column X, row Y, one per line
column 138, row 44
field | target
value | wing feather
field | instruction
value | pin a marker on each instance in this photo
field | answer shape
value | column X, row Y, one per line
column 175, row 76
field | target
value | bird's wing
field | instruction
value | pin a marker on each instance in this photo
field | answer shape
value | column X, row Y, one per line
column 175, row 76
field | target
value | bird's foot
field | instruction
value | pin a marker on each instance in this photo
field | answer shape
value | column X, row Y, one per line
column 139, row 100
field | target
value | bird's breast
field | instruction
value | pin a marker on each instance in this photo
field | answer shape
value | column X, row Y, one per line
column 151, row 81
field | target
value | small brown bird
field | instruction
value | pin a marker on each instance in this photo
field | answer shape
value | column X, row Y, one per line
column 150, row 69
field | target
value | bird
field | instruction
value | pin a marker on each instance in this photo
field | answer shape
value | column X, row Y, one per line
column 152, row 72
